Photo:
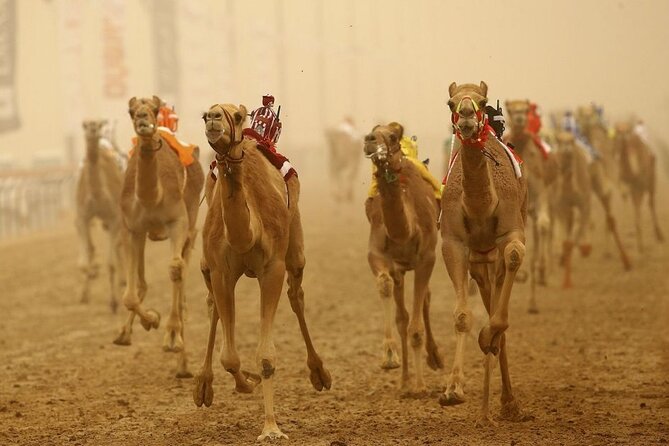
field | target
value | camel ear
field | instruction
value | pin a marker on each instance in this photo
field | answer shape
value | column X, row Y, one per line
column 484, row 88
column 84, row 124
column 452, row 88
column 157, row 102
column 397, row 129
column 242, row 114
column 131, row 104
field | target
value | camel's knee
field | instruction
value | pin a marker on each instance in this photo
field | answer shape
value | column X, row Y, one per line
column 176, row 270
column 463, row 319
column 513, row 255
column 130, row 300
column 296, row 298
column 416, row 333
column 230, row 361
column 384, row 283
column 266, row 361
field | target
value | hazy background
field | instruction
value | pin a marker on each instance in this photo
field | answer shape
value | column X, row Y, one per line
column 375, row 60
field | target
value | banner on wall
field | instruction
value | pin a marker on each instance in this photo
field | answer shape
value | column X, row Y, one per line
column 115, row 70
column 9, row 114
column 165, row 40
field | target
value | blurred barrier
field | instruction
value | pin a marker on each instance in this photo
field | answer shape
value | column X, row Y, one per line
column 32, row 200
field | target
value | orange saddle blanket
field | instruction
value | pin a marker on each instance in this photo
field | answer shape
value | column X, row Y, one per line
column 183, row 150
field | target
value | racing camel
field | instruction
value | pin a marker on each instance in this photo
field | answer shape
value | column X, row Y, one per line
column 160, row 199
column 252, row 228
column 484, row 209
column 403, row 237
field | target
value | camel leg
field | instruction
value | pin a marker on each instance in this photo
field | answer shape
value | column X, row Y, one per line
column 605, row 199
column 567, row 246
column 416, row 327
column 402, row 323
column 173, row 342
column 434, row 358
column 536, row 240
column 115, row 264
column 455, row 257
column 203, row 390
column 223, row 288
column 131, row 298
column 271, row 282
column 636, row 202
column 651, row 202
column 544, row 226
column 490, row 282
column 295, row 261
column 124, row 337
column 86, row 253
column 490, row 337
column 384, row 284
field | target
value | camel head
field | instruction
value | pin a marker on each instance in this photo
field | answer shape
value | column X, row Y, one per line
column 588, row 117
column 382, row 145
column 94, row 129
column 223, row 126
column 517, row 111
column 144, row 115
column 467, row 103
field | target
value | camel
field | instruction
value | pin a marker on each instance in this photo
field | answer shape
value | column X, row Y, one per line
column 403, row 237
column 484, row 210
column 252, row 227
column 602, row 171
column 573, row 193
column 160, row 199
column 98, row 193
column 540, row 174
column 637, row 173
column 343, row 141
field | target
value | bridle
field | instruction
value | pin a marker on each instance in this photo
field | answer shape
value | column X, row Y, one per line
column 481, row 117
column 381, row 157
column 483, row 129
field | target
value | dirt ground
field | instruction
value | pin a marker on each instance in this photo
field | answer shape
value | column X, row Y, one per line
column 592, row 368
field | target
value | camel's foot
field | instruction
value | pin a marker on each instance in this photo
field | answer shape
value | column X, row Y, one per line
column 203, row 390
column 511, row 411
column 84, row 296
column 485, row 421
column 153, row 321
column 533, row 309
column 173, row 342
column 390, row 358
column 489, row 339
column 272, row 432
column 454, row 395
column 585, row 249
column 434, row 359
column 248, row 383
column 123, row 337
column 320, row 377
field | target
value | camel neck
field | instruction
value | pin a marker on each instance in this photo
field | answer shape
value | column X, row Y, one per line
column 148, row 187
column 92, row 150
column 237, row 215
column 479, row 194
column 393, row 206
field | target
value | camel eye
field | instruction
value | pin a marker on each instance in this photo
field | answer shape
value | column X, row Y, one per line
column 393, row 138
column 451, row 104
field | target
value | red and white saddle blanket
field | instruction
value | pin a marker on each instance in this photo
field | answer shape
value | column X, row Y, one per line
column 543, row 146
column 268, row 149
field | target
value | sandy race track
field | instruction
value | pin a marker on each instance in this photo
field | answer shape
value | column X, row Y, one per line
column 591, row 368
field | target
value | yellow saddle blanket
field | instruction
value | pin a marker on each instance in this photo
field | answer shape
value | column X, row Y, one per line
column 410, row 151
column 183, row 150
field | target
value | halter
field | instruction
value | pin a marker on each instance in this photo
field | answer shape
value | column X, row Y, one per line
column 481, row 123
column 383, row 154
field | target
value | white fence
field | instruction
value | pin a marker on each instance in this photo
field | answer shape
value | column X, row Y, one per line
column 33, row 200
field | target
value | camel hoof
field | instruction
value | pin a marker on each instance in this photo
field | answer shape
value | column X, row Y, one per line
column 251, row 382
column 533, row 310
column 451, row 398
column 485, row 421
column 152, row 322
column 511, row 411
column 113, row 305
column 585, row 249
column 320, row 378
column 123, row 337
column 434, row 359
column 183, row 374
column 272, row 434
column 567, row 285
column 203, row 390
column 391, row 361
column 173, row 342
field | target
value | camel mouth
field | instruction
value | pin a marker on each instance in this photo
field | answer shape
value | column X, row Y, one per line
column 145, row 129
column 375, row 151
column 214, row 135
